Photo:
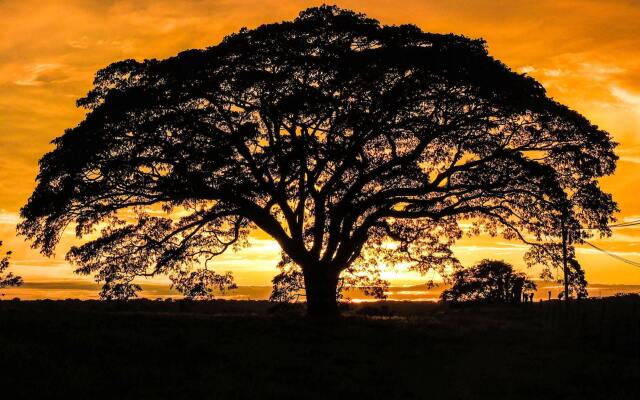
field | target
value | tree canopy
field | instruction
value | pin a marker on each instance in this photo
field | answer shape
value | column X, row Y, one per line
column 349, row 142
column 489, row 281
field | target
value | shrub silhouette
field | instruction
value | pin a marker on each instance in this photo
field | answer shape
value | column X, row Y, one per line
column 9, row 279
column 490, row 281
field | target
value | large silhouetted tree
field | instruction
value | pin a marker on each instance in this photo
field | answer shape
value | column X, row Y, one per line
column 348, row 142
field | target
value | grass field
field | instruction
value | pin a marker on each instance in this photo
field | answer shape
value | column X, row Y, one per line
column 227, row 350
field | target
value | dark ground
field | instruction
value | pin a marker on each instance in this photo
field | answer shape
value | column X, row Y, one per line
column 229, row 350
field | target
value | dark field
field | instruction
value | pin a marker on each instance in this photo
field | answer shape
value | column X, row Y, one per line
column 228, row 350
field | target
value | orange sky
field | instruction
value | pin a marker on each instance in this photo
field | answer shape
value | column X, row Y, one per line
column 586, row 53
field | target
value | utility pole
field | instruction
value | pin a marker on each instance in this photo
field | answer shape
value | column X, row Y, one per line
column 564, row 261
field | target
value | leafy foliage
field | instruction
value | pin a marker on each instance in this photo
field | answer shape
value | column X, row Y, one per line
column 550, row 256
column 200, row 284
column 333, row 134
column 116, row 288
column 489, row 280
column 577, row 280
column 9, row 279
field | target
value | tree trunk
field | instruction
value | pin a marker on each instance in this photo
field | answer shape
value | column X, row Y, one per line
column 321, row 287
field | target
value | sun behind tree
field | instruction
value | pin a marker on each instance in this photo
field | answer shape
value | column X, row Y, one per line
column 333, row 134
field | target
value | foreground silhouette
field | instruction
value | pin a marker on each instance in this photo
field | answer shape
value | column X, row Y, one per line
column 333, row 134
column 232, row 350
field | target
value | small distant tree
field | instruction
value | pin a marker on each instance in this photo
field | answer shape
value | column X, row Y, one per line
column 9, row 279
column 491, row 281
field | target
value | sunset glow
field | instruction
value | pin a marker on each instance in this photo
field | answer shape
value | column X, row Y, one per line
column 585, row 53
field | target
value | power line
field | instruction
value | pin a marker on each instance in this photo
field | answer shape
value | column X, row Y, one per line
column 620, row 225
column 610, row 254
column 625, row 224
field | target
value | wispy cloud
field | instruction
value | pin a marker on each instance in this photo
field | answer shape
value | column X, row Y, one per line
column 527, row 69
column 554, row 73
column 42, row 74
column 7, row 218
column 630, row 98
